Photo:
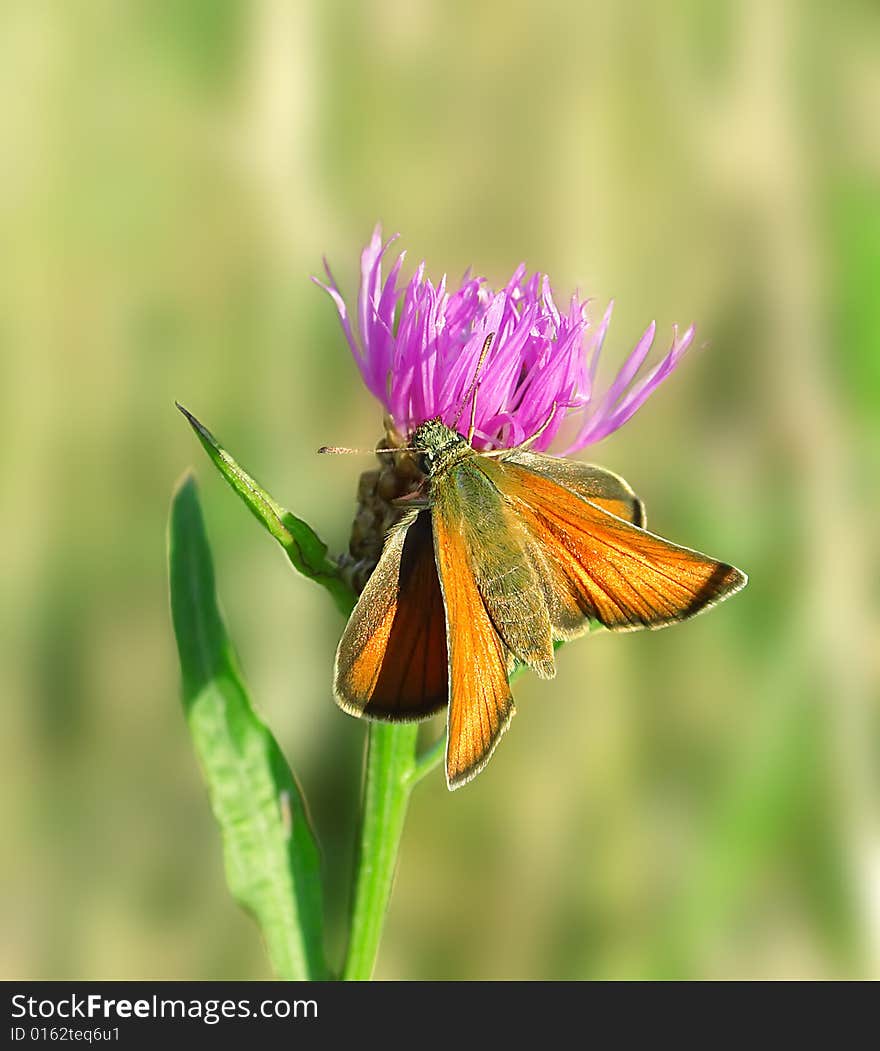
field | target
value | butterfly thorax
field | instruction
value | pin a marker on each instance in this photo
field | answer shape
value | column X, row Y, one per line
column 439, row 446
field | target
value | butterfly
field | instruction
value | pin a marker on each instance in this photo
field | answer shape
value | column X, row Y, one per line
column 509, row 552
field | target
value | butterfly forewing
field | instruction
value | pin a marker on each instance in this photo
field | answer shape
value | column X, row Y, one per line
column 496, row 553
column 600, row 567
column 481, row 705
column 392, row 662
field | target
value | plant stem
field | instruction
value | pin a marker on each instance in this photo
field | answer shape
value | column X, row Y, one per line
column 390, row 764
column 392, row 771
column 429, row 759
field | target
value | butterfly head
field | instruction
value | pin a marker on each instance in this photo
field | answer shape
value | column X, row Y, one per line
column 438, row 447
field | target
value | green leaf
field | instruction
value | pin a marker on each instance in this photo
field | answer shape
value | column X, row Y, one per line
column 305, row 549
column 272, row 861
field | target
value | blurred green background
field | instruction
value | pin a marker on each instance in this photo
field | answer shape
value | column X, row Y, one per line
column 701, row 802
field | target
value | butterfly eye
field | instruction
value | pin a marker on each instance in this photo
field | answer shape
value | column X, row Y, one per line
column 425, row 461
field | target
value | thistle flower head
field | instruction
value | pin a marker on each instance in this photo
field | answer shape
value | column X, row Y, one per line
column 418, row 346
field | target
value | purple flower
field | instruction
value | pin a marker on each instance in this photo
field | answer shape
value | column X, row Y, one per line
column 417, row 346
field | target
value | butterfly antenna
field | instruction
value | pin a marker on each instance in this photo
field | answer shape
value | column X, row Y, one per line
column 341, row 450
column 530, row 440
column 472, row 390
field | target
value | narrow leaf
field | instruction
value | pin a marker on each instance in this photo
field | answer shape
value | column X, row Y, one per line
column 272, row 861
column 305, row 549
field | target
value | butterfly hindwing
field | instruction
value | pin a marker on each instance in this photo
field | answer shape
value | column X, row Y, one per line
column 392, row 661
column 603, row 488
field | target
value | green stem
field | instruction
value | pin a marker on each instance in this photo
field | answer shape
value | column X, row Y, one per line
column 429, row 759
column 389, row 780
column 392, row 771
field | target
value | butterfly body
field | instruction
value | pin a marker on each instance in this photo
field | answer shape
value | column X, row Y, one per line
column 509, row 552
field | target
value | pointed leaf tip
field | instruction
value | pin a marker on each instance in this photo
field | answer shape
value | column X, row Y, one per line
column 196, row 424
column 304, row 548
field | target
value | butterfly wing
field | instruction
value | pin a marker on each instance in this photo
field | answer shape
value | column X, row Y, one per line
column 391, row 662
column 603, row 488
column 596, row 566
column 468, row 542
column 465, row 502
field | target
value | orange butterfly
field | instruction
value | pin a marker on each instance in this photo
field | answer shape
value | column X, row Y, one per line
column 510, row 551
